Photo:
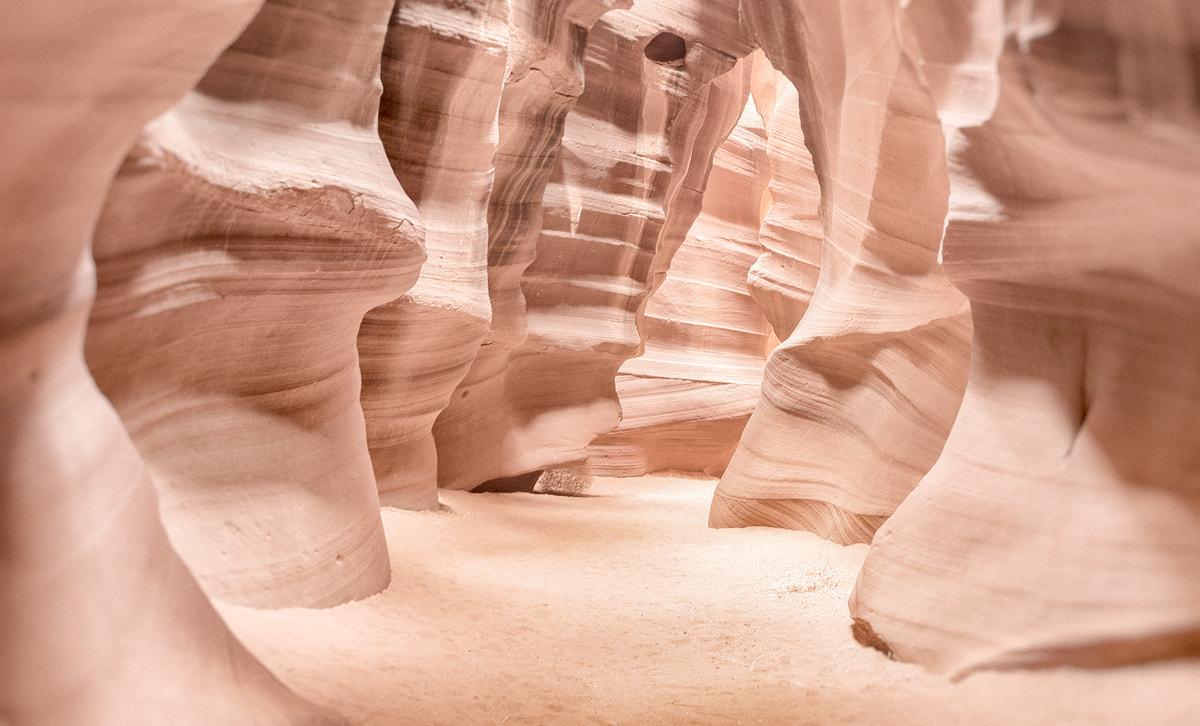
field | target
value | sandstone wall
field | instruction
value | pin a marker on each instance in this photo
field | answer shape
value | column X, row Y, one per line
column 858, row 400
column 624, row 189
column 443, row 73
column 100, row 621
column 373, row 248
column 1061, row 523
column 687, row 397
column 247, row 233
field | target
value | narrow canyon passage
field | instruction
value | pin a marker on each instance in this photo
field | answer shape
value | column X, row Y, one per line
column 623, row 607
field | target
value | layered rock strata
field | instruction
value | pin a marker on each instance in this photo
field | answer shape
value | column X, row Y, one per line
column 100, row 621
column 662, row 94
column 784, row 276
column 547, row 42
column 857, row 402
column 686, row 399
column 1062, row 522
column 443, row 70
column 249, row 230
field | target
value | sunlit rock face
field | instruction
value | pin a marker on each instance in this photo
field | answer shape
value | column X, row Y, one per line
column 443, row 70
column 625, row 188
column 687, row 397
column 1062, row 522
column 308, row 297
column 858, row 400
column 247, row 233
column 547, row 41
column 784, row 276
column 100, row 621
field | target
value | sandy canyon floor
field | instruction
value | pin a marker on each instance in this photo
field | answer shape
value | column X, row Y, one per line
column 623, row 607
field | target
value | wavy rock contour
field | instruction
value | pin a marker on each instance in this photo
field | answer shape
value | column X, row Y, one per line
column 1062, row 522
column 687, row 397
column 101, row 623
column 248, row 232
column 635, row 155
column 857, row 402
column 443, row 71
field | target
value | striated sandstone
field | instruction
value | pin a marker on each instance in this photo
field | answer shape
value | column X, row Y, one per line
column 100, row 621
column 635, row 156
column 247, row 233
column 1044, row 153
column 443, row 71
column 1062, row 522
column 857, row 402
column 547, row 42
column 687, row 397
column 784, row 276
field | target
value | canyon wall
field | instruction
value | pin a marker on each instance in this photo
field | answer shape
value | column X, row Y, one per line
column 338, row 253
column 100, row 620
column 443, row 70
column 623, row 190
column 687, row 397
column 858, row 399
column 1062, row 523
column 246, row 235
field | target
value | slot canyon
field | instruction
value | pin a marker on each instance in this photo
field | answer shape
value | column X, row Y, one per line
column 599, row 362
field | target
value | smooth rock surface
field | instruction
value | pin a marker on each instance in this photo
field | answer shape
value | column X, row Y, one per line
column 248, row 232
column 687, row 397
column 100, row 621
column 538, row 234
column 1073, row 231
column 443, row 71
column 547, row 43
column 636, row 151
column 857, row 402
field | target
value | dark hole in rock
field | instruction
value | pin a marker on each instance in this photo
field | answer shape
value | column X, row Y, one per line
column 509, row 484
column 666, row 48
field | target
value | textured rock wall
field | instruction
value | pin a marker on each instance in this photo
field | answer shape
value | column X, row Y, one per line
column 500, row 232
column 625, row 188
column 784, row 276
column 858, row 400
column 1062, row 523
column 443, row 72
column 547, row 41
column 100, row 621
column 247, row 233
column 687, row 397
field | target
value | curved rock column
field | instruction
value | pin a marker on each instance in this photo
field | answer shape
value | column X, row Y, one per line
column 248, row 232
column 783, row 278
column 443, row 70
column 1062, row 522
column 686, row 399
column 100, row 621
column 635, row 156
column 858, row 401
column 547, row 42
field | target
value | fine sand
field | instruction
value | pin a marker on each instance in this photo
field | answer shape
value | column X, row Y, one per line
column 623, row 607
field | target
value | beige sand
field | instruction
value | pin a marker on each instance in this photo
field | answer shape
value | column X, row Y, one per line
column 623, row 607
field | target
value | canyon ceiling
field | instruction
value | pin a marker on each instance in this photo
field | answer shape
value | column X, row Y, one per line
column 919, row 274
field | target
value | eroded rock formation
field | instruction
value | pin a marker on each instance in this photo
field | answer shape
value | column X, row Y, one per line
column 547, row 41
column 443, row 71
column 247, row 233
column 857, row 402
column 524, row 215
column 624, row 190
column 1062, row 523
column 100, row 621
column 687, row 397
